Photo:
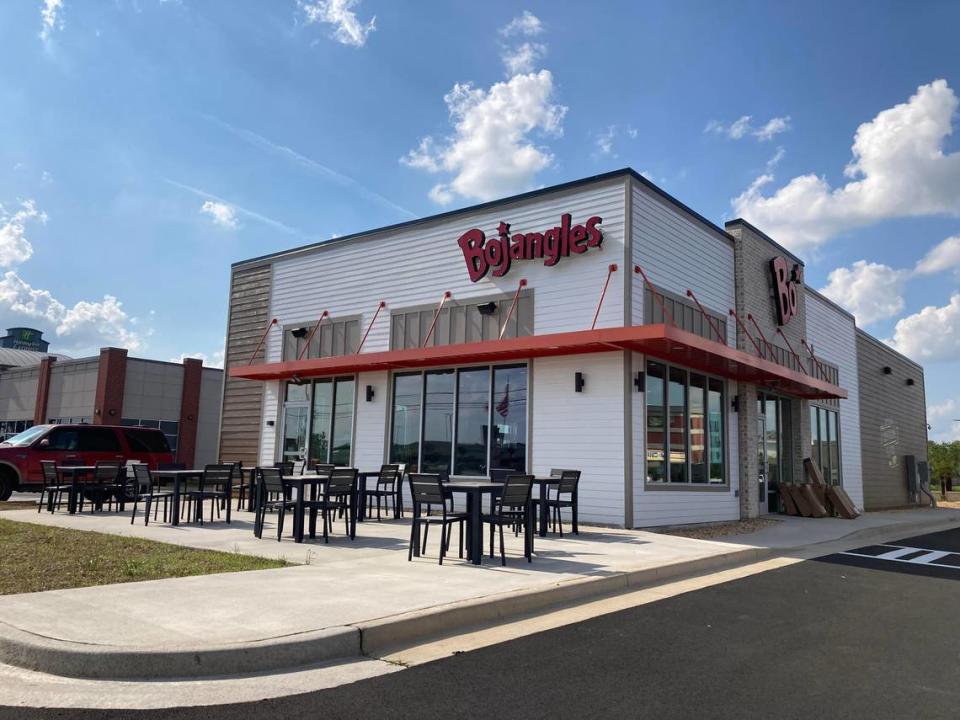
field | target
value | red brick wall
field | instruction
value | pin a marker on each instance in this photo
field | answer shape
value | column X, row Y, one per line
column 108, row 403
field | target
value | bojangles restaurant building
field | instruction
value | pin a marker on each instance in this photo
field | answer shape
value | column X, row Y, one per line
column 685, row 368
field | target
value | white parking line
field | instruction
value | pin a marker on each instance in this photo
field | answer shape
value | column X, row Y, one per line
column 929, row 558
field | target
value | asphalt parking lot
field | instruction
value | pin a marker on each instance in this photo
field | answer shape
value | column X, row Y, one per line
column 850, row 635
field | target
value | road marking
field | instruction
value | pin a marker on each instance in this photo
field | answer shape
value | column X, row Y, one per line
column 911, row 556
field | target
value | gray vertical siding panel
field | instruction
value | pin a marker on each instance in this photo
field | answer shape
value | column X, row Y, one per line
column 892, row 421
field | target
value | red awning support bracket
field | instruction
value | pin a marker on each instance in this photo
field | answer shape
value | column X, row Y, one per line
column 747, row 333
column 603, row 293
column 262, row 338
column 653, row 291
column 380, row 307
column 766, row 343
column 799, row 359
column 823, row 371
column 709, row 319
column 513, row 306
column 446, row 296
column 313, row 332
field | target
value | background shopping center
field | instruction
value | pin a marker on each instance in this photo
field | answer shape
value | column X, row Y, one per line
column 600, row 324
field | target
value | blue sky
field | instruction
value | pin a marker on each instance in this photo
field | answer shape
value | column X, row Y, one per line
column 146, row 144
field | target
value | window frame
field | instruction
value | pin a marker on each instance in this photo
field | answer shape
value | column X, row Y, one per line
column 823, row 444
column 308, row 403
column 491, row 370
column 687, row 485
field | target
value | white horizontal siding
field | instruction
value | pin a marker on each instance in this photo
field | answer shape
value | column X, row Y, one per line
column 269, row 435
column 371, row 421
column 678, row 253
column 415, row 266
column 582, row 430
column 832, row 334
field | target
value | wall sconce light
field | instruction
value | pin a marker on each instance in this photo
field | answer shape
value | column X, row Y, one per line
column 735, row 403
column 271, row 423
column 578, row 381
column 300, row 332
column 369, row 393
column 487, row 308
column 639, row 382
column 909, row 381
column 887, row 369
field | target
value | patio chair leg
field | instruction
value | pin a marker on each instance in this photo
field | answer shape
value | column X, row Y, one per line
column 560, row 520
column 503, row 554
column 462, row 527
column 134, row 515
column 576, row 527
column 426, row 531
column 414, row 526
column 146, row 511
column 280, row 518
column 443, row 540
column 491, row 539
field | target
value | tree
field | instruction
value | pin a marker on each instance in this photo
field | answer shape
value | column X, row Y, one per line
column 944, row 460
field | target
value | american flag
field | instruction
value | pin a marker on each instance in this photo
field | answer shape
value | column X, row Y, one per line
column 503, row 407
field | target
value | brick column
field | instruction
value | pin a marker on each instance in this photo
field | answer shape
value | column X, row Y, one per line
column 749, row 452
column 111, row 377
column 189, row 411
column 43, row 390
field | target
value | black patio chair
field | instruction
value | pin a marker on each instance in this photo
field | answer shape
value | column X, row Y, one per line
column 270, row 483
column 52, row 487
column 510, row 508
column 298, row 467
column 107, row 485
column 337, row 497
column 386, row 488
column 216, row 484
column 285, row 467
column 427, row 491
column 568, row 484
column 145, row 489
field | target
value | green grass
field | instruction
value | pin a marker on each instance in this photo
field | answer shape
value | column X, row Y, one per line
column 39, row 557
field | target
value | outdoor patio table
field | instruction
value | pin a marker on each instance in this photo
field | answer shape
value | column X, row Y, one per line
column 543, row 484
column 475, row 490
column 178, row 476
column 74, row 471
column 300, row 483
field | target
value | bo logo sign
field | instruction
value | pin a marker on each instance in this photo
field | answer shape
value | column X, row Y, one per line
column 788, row 284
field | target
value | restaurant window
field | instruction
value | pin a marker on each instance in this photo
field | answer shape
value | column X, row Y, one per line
column 475, row 321
column 170, row 428
column 462, row 421
column 685, row 427
column 825, row 443
column 331, row 421
column 333, row 338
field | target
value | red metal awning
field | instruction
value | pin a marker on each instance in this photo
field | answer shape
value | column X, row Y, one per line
column 660, row 341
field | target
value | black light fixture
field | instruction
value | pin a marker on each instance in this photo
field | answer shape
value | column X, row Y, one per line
column 487, row 308
column 909, row 381
column 300, row 332
column 639, row 382
column 578, row 381
column 735, row 403
column 887, row 369
column 369, row 393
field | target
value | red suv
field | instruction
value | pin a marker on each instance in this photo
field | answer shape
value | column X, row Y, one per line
column 21, row 454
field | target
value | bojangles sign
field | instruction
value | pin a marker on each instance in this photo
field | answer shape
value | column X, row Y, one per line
column 498, row 253
column 787, row 286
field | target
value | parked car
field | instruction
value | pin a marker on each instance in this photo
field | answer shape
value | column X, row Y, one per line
column 21, row 454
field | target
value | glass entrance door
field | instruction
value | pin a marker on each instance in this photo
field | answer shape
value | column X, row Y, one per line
column 294, row 435
column 773, row 456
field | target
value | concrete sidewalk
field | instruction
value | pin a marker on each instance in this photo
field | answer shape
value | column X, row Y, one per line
column 347, row 598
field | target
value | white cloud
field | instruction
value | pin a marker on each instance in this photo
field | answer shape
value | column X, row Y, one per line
column 222, row 214
column 85, row 326
column 742, row 126
column 526, row 24
column 524, row 58
column 942, row 418
column 774, row 127
column 15, row 248
column 440, row 194
column 898, row 169
column 930, row 335
column 945, row 256
column 870, row 291
column 213, row 360
column 606, row 139
column 490, row 152
column 50, row 18
column 348, row 29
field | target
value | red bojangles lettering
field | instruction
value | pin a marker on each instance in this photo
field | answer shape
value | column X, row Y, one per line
column 787, row 287
column 482, row 255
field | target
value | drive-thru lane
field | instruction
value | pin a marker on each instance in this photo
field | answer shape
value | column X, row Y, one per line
column 843, row 637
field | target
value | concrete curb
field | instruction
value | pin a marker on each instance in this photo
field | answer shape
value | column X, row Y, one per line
column 109, row 662
column 71, row 659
